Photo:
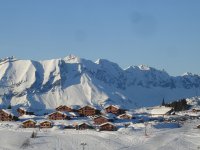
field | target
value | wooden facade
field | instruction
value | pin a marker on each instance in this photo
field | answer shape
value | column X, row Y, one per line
column 100, row 120
column 114, row 110
column 45, row 124
column 58, row 116
column 5, row 116
column 87, row 111
column 107, row 127
column 83, row 126
column 29, row 124
column 64, row 108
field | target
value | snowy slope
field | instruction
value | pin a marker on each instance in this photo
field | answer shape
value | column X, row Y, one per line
column 75, row 81
column 164, row 137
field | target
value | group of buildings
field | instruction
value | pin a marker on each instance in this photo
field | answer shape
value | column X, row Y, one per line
column 102, row 118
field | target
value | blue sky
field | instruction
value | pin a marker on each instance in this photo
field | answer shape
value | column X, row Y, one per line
column 163, row 34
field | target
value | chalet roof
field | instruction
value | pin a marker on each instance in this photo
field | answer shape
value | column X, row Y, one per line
column 116, row 106
column 100, row 116
column 75, row 114
column 59, row 106
column 9, row 112
column 22, row 108
column 62, row 106
column 106, row 124
column 88, row 106
column 62, row 113
column 29, row 120
column 161, row 110
column 128, row 114
column 81, row 123
column 42, row 121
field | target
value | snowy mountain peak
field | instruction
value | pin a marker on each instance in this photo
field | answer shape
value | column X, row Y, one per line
column 77, row 81
column 188, row 74
column 105, row 62
column 144, row 67
column 73, row 59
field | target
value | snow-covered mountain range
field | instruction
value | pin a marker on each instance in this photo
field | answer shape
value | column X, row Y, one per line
column 75, row 81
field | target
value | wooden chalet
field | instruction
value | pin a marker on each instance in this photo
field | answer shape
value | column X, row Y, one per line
column 64, row 108
column 87, row 111
column 126, row 116
column 6, row 115
column 29, row 124
column 107, row 127
column 21, row 111
column 100, row 120
column 114, row 109
column 83, row 126
column 59, row 116
column 45, row 124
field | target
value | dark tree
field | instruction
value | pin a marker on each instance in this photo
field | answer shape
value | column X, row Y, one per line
column 163, row 102
column 179, row 105
column 15, row 118
column 9, row 107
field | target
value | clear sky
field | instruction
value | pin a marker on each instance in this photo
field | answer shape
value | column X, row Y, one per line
column 164, row 34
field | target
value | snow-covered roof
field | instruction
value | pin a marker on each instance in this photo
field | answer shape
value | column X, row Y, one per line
column 81, row 123
column 63, row 113
column 62, row 106
column 101, row 116
column 29, row 120
column 8, row 111
column 22, row 108
column 128, row 114
column 162, row 110
column 116, row 106
column 74, row 114
column 41, row 121
column 106, row 123
column 88, row 106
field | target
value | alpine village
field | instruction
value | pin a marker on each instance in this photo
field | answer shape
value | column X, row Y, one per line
column 107, row 118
